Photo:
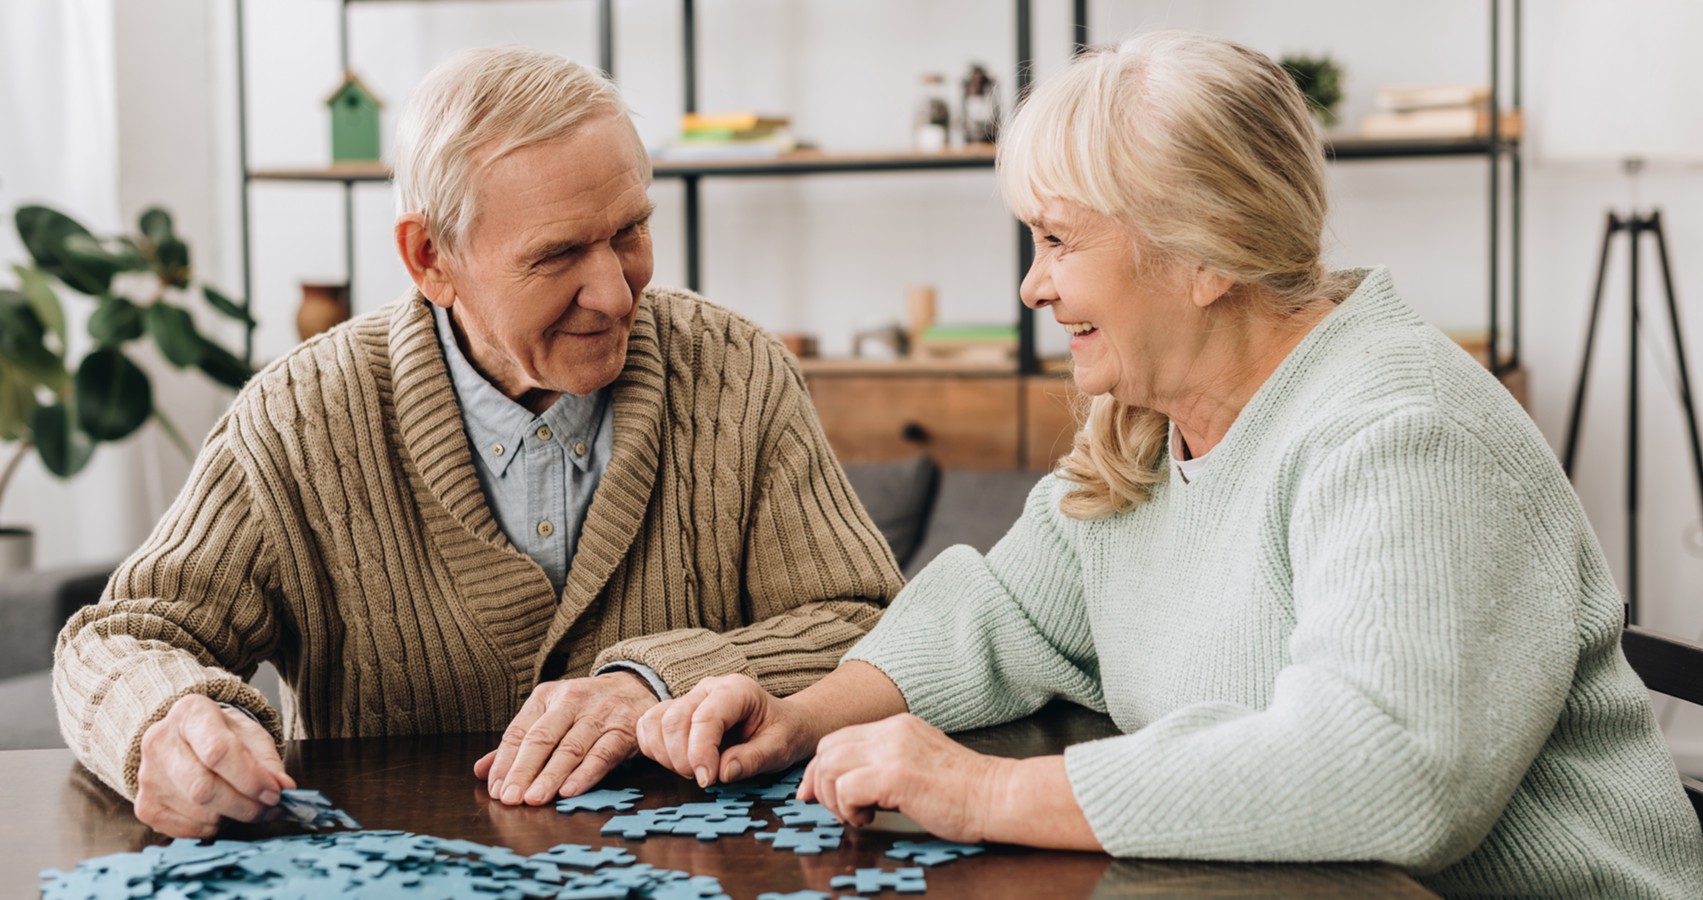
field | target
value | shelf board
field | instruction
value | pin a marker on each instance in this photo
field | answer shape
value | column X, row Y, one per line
column 815, row 162
column 1353, row 148
column 807, row 162
column 843, row 365
column 345, row 172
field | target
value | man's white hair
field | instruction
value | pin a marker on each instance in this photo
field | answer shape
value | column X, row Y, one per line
column 479, row 106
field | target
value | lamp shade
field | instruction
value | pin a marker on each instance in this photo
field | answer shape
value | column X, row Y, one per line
column 1626, row 83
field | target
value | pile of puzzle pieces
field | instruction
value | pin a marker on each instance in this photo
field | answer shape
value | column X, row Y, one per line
column 386, row 864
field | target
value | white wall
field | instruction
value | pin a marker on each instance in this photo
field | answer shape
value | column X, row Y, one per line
column 832, row 255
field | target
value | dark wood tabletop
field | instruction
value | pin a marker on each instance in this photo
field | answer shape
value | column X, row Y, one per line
column 53, row 813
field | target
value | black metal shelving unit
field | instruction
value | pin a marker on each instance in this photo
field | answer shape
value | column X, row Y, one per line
column 1496, row 150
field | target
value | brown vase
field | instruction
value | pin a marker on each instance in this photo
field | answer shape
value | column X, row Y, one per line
column 323, row 305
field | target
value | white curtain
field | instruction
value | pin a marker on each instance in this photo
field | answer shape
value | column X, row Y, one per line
column 59, row 146
column 58, row 118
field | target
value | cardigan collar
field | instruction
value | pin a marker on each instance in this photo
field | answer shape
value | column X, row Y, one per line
column 429, row 423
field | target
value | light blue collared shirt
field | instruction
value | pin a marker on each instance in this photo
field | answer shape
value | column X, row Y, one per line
column 538, row 472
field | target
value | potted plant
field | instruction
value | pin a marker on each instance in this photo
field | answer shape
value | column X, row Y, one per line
column 140, row 285
column 1320, row 81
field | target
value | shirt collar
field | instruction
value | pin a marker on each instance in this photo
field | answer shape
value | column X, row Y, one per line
column 499, row 428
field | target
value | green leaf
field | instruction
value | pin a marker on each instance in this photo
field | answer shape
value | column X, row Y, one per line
column 92, row 263
column 171, row 262
column 43, row 232
column 114, row 397
column 64, row 449
column 223, row 366
column 38, row 290
column 115, row 321
column 31, row 361
column 155, row 225
column 226, row 305
column 174, row 332
column 17, row 402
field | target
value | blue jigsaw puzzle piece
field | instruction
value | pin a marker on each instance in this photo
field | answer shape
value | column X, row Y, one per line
column 804, row 843
column 713, row 810
column 710, row 829
column 932, row 853
column 874, row 881
column 596, row 801
column 581, row 856
column 637, row 827
column 797, row 813
column 312, row 810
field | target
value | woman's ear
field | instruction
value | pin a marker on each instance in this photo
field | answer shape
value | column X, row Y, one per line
column 1209, row 286
column 421, row 257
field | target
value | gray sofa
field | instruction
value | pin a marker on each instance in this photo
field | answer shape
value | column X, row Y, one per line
column 920, row 510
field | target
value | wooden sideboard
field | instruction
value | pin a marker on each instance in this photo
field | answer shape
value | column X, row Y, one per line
column 966, row 418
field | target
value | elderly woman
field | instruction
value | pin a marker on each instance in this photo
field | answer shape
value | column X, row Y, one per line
column 1312, row 559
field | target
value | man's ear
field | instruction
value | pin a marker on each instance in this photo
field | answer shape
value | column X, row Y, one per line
column 1209, row 286
column 421, row 257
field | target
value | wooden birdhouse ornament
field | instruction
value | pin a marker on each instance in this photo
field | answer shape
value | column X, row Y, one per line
column 354, row 122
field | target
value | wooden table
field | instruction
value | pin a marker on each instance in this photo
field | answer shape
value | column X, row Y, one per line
column 54, row 813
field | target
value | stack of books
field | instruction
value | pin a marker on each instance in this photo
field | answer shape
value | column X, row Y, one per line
column 1435, row 111
column 736, row 135
column 967, row 344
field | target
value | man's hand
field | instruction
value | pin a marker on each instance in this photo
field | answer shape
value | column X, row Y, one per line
column 762, row 733
column 567, row 736
column 905, row 764
column 202, row 763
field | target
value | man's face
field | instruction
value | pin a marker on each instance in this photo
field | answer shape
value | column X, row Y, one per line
column 547, row 282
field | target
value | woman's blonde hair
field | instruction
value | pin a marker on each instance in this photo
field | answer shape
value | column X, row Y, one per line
column 1206, row 150
column 477, row 107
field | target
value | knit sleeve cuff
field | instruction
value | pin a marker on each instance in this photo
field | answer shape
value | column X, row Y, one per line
column 230, row 691
column 681, row 658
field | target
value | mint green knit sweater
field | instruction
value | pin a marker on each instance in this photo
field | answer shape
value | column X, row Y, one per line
column 1376, row 627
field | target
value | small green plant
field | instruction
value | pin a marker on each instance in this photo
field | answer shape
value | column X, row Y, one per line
column 1320, row 80
column 140, row 285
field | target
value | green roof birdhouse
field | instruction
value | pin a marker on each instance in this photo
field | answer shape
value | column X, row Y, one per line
column 354, row 122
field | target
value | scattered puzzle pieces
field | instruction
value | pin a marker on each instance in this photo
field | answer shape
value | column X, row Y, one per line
column 804, row 843
column 798, row 813
column 874, row 881
column 932, row 853
column 312, row 810
column 594, row 801
column 391, row 865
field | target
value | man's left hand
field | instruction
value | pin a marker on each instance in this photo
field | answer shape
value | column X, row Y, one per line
column 567, row 736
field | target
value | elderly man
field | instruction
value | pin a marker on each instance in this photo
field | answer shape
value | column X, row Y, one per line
column 531, row 493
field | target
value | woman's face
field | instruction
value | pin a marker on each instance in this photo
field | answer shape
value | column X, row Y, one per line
column 1126, row 319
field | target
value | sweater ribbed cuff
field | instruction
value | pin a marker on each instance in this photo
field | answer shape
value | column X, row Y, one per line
column 682, row 657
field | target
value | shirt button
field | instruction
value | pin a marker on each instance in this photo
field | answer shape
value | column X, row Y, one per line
column 545, row 529
column 496, row 449
column 579, row 448
column 543, row 432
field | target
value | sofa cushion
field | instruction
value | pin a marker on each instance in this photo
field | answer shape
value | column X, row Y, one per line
column 975, row 508
column 898, row 496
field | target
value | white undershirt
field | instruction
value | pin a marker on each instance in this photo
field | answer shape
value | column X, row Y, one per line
column 1190, row 469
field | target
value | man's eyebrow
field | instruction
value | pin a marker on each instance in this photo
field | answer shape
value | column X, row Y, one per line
column 563, row 248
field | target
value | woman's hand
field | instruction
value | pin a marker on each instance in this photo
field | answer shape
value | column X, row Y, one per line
column 685, row 734
column 905, row 764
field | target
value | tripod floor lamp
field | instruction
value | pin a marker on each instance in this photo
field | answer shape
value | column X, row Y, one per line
column 1624, row 91
column 1634, row 226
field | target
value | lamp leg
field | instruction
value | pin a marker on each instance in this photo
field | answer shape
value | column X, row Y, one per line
column 1635, row 228
column 1578, row 415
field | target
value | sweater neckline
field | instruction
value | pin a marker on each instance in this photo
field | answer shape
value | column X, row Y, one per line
column 1374, row 292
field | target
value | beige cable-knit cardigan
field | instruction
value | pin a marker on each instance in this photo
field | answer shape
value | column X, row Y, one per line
column 334, row 525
